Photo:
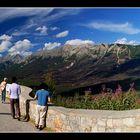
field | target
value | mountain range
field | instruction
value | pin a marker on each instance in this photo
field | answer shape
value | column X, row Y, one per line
column 77, row 67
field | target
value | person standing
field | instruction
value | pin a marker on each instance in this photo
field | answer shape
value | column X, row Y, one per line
column 14, row 92
column 3, row 90
column 42, row 96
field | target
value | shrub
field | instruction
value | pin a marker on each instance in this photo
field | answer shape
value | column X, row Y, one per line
column 107, row 101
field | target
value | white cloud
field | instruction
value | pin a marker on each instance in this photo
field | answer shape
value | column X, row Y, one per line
column 4, row 46
column 18, row 33
column 62, row 34
column 5, row 37
column 50, row 46
column 30, row 24
column 63, row 12
column 114, row 27
column 37, row 13
column 79, row 42
column 5, row 42
column 125, row 41
column 25, row 29
column 10, row 13
column 21, row 47
column 38, row 17
column 54, row 28
column 43, row 30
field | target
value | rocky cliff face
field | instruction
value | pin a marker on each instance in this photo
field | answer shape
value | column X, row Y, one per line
column 77, row 66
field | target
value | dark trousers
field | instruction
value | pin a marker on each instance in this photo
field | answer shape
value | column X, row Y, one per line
column 14, row 103
column 3, row 95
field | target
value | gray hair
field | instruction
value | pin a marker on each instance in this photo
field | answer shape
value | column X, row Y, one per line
column 5, row 79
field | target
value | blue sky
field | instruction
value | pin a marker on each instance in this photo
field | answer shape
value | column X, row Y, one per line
column 27, row 30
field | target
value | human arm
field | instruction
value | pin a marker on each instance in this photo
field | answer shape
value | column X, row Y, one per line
column 9, row 91
column 49, row 99
column 2, row 85
column 19, row 90
column 35, row 97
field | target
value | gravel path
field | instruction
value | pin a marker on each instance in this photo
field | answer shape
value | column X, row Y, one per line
column 10, row 125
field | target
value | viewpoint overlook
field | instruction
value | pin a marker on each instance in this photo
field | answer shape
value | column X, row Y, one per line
column 88, row 66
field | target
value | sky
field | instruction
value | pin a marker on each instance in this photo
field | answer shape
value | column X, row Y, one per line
column 27, row 30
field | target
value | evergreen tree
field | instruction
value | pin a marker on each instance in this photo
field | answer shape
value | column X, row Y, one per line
column 49, row 80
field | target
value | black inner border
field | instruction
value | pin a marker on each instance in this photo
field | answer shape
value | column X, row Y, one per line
column 69, row 3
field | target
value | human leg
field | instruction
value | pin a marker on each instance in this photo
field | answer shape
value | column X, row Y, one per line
column 17, row 108
column 12, row 108
column 37, row 119
column 4, row 95
column 42, row 116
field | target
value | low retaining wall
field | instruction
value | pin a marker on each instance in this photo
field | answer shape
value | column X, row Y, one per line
column 63, row 119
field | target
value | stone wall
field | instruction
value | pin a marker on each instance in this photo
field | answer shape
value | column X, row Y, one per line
column 63, row 119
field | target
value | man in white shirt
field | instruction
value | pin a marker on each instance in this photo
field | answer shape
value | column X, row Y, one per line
column 14, row 92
